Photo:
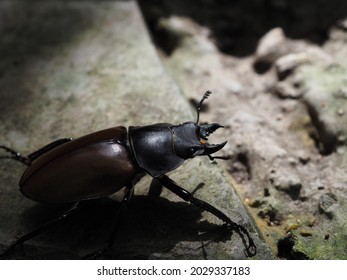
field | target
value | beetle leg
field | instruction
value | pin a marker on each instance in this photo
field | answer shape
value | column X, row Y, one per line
column 15, row 155
column 110, row 242
column 28, row 159
column 40, row 229
column 155, row 188
column 187, row 196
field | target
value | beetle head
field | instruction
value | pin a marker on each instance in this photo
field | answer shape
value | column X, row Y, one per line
column 190, row 139
column 162, row 147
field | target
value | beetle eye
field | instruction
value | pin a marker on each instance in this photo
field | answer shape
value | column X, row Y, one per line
column 203, row 134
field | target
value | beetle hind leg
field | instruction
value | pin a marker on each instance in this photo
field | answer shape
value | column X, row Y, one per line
column 40, row 229
column 15, row 155
column 32, row 156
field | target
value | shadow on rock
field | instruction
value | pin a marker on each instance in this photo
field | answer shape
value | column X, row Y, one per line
column 149, row 228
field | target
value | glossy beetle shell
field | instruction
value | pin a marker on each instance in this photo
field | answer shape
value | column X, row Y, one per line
column 95, row 165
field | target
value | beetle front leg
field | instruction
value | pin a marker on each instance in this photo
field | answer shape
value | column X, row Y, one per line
column 187, row 196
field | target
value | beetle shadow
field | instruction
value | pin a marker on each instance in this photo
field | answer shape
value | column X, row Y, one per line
column 148, row 229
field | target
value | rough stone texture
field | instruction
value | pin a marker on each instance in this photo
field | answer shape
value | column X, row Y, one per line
column 324, row 88
column 285, row 122
column 68, row 68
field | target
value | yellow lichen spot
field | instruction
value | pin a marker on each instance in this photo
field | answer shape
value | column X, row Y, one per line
column 291, row 226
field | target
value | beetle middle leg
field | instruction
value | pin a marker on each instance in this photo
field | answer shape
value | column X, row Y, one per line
column 127, row 197
column 187, row 196
column 41, row 229
column 155, row 188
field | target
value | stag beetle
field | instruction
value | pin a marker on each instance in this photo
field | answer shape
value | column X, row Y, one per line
column 104, row 162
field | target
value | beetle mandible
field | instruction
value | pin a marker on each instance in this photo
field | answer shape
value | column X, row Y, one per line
column 104, row 162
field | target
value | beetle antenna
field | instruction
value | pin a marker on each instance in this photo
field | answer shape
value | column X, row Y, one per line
column 206, row 95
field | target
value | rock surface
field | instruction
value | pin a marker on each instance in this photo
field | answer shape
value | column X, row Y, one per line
column 282, row 98
column 69, row 68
